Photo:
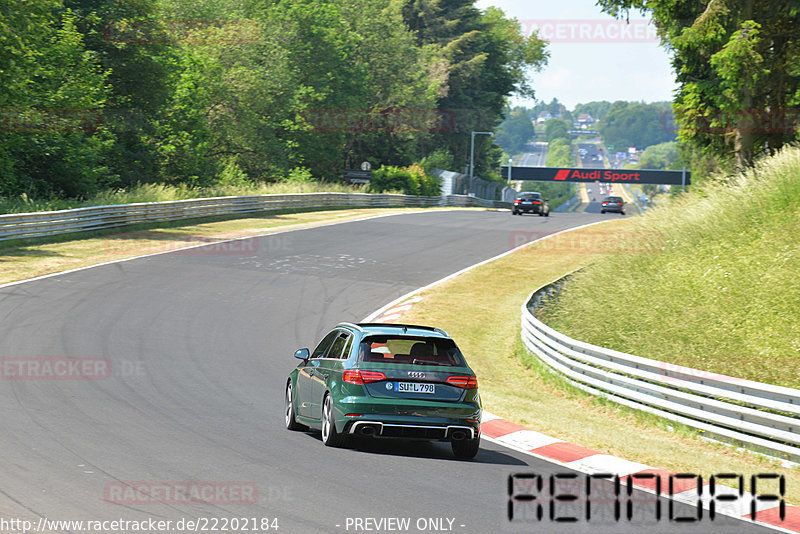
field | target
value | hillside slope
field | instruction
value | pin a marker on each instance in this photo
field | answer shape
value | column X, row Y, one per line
column 710, row 280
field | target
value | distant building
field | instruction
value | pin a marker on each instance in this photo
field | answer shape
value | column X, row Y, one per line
column 544, row 116
column 585, row 120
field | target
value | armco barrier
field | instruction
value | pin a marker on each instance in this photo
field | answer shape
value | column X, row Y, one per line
column 49, row 223
column 762, row 417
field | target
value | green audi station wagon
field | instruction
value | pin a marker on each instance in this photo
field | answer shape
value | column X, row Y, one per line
column 376, row 380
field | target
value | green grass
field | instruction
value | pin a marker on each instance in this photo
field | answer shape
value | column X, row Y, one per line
column 518, row 387
column 163, row 192
column 710, row 280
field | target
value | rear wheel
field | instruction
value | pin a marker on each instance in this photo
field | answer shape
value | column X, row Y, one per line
column 547, row 214
column 291, row 422
column 330, row 437
column 464, row 449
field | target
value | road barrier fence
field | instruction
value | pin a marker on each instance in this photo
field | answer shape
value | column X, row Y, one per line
column 760, row 417
column 50, row 223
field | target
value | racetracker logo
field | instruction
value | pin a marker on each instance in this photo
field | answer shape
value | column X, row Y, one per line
column 219, row 245
column 589, row 241
column 755, row 121
column 55, row 368
column 198, row 32
column 380, row 121
column 591, row 31
column 50, row 120
column 181, row 493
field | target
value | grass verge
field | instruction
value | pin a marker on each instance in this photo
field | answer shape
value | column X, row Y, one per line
column 481, row 310
column 718, row 288
column 36, row 258
column 166, row 192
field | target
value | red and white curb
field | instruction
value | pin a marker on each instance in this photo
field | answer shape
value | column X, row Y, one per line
column 581, row 459
column 685, row 490
column 393, row 314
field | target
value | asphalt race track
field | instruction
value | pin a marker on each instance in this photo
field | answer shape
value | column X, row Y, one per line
column 199, row 345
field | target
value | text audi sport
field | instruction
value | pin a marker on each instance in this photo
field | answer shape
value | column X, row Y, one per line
column 386, row 381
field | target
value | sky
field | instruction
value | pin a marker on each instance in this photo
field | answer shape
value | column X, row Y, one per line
column 592, row 56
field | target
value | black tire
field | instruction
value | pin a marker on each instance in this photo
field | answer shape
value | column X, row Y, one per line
column 330, row 437
column 466, row 449
column 622, row 213
column 602, row 211
column 541, row 213
column 547, row 214
column 291, row 422
column 514, row 213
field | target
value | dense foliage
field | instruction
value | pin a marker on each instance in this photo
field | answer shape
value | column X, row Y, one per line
column 738, row 68
column 515, row 131
column 100, row 94
column 628, row 124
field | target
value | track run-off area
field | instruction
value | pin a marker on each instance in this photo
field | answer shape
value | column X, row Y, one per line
column 178, row 412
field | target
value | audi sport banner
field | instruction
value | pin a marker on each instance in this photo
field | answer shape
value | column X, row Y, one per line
column 627, row 176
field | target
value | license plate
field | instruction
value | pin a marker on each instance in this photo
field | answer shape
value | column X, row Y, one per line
column 414, row 387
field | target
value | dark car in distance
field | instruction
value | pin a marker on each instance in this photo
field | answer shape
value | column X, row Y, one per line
column 614, row 204
column 531, row 203
column 376, row 380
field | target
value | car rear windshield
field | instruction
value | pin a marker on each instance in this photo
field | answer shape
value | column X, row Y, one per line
column 614, row 199
column 529, row 195
column 410, row 350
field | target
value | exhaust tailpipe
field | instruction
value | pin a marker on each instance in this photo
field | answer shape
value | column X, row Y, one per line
column 367, row 430
column 458, row 435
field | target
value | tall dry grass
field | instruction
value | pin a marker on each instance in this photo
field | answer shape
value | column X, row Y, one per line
column 714, row 283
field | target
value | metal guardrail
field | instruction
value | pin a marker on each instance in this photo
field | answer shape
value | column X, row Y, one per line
column 761, row 417
column 50, row 223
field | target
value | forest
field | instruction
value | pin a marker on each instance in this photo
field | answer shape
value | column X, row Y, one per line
column 106, row 94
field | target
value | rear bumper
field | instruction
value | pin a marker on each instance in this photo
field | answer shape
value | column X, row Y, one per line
column 379, row 429
column 527, row 209
column 428, row 420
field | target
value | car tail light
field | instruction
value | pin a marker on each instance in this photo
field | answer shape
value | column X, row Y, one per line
column 362, row 377
column 536, row 202
column 517, row 201
column 465, row 382
column 619, row 203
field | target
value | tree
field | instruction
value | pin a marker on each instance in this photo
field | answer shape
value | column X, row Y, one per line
column 636, row 124
column 661, row 156
column 52, row 141
column 135, row 46
column 737, row 67
column 596, row 109
column 486, row 56
column 515, row 132
column 557, row 128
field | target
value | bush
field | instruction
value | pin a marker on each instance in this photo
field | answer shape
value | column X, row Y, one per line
column 410, row 180
column 438, row 159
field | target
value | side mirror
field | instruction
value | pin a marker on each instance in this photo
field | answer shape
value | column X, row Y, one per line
column 301, row 354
